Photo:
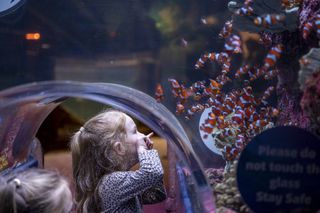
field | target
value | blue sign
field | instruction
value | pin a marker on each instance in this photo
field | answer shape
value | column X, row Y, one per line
column 279, row 171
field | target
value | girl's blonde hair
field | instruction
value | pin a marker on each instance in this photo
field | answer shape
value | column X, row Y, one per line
column 93, row 155
column 35, row 190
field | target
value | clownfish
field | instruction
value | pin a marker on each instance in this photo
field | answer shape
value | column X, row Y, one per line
column 245, row 11
column 176, row 87
column 225, row 67
column 223, row 78
column 260, row 123
column 230, row 153
column 304, row 61
column 200, row 107
column 241, row 71
column 179, row 108
column 206, row 128
column 159, row 94
column 272, row 56
column 184, row 93
column 226, row 30
column 201, row 62
column 233, row 45
column 268, row 20
column 216, row 110
column 174, row 83
column 240, row 141
column 317, row 24
column 268, row 92
column 306, row 30
column 257, row 74
column 271, row 74
column 238, row 117
column 214, row 85
column 212, row 120
column 248, row 2
column 221, row 58
column 290, row 3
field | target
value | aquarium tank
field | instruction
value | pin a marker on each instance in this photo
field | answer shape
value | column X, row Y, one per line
column 212, row 79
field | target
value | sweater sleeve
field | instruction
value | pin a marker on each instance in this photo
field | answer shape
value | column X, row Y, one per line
column 154, row 194
column 123, row 186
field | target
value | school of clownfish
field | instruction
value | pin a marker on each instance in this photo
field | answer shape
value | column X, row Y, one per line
column 237, row 116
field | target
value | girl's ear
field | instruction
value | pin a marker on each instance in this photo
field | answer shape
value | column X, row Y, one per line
column 119, row 148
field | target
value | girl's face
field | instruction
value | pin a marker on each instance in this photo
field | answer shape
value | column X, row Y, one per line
column 133, row 139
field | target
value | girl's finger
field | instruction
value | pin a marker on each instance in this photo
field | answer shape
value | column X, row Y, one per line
column 150, row 134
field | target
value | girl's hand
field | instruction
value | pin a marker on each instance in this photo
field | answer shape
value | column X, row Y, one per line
column 145, row 143
column 148, row 141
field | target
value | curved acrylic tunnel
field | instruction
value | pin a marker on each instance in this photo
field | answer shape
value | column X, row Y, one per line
column 24, row 108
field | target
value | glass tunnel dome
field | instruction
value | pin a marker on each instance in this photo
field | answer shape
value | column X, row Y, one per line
column 24, row 108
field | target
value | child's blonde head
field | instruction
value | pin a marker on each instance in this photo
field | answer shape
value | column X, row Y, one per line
column 93, row 154
column 35, row 190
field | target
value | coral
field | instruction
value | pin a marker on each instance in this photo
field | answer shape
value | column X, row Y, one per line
column 214, row 175
column 310, row 102
column 309, row 79
column 227, row 193
column 3, row 162
column 309, row 63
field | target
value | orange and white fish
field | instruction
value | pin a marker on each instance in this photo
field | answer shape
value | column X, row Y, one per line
column 222, row 57
column 258, row 72
column 241, row 71
column 212, row 119
column 290, row 3
column 185, row 93
column 226, row 30
column 240, row 141
column 274, row 112
column 271, row 74
column 174, row 83
column 200, row 107
column 304, row 61
column 245, row 11
column 214, row 85
column 176, row 87
column 233, row 44
column 268, row 20
column 248, row 2
column 159, row 94
column 230, row 153
column 226, row 67
column 179, row 108
column 272, row 56
column 268, row 92
column 223, row 78
column 306, row 30
column 206, row 128
column 317, row 24
column 201, row 62
column 260, row 123
column 238, row 117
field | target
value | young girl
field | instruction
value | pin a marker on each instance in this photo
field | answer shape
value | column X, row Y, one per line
column 103, row 151
column 35, row 190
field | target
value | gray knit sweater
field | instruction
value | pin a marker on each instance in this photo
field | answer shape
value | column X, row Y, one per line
column 126, row 191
